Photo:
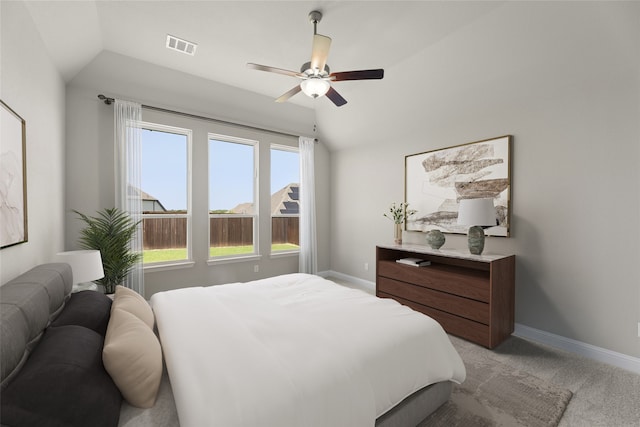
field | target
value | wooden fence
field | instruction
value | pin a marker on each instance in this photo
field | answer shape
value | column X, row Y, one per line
column 285, row 229
column 230, row 231
column 166, row 233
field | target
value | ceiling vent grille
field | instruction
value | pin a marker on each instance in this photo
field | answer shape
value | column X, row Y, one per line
column 181, row 45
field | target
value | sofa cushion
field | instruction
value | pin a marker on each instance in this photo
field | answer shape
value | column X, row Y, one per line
column 131, row 301
column 14, row 336
column 33, row 301
column 133, row 357
column 87, row 308
column 63, row 383
column 56, row 278
column 29, row 303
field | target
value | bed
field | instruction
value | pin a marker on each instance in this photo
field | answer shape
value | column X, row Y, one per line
column 299, row 350
column 293, row 350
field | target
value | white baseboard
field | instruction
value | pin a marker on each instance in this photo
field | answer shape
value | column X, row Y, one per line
column 589, row 351
column 355, row 280
column 557, row 341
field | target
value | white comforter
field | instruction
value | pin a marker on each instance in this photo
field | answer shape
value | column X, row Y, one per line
column 295, row 350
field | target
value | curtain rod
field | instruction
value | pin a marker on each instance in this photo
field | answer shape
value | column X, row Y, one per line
column 109, row 101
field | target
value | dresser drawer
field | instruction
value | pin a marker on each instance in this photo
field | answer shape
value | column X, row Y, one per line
column 467, row 283
column 460, row 306
column 455, row 325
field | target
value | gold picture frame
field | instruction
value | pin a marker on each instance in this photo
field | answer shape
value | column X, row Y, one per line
column 13, row 178
column 435, row 182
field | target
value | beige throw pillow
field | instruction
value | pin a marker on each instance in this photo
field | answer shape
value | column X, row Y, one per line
column 133, row 358
column 131, row 301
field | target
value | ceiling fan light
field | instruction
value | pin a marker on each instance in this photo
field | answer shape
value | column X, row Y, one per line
column 315, row 88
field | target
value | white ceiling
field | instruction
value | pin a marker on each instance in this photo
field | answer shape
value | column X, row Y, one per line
column 366, row 34
column 442, row 59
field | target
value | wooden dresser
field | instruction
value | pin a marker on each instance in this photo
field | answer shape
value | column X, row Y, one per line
column 471, row 296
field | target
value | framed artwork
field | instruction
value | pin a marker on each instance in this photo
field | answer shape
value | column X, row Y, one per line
column 13, row 178
column 436, row 181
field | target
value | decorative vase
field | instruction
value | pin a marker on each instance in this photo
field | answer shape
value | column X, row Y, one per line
column 435, row 239
column 476, row 240
column 397, row 233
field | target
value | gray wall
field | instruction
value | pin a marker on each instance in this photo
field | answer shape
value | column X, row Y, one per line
column 90, row 155
column 563, row 78
column 32, row 87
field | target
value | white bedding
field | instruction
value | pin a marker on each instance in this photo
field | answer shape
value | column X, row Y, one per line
column 295, row 350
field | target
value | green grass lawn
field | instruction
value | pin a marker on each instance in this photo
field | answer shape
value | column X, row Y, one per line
column 163, row 255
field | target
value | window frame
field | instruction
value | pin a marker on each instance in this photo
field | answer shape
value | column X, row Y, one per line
column 168, row 265
column 255, row 254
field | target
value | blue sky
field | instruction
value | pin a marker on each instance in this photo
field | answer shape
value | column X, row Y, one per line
column 164, row 170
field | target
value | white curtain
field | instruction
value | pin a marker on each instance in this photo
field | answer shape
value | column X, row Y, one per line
column 128, row 165
column 308, row 261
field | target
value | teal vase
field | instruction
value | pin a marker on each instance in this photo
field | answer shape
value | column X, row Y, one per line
column 476, row 240
column 435, row 239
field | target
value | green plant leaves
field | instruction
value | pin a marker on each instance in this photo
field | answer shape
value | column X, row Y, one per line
column 111, row 232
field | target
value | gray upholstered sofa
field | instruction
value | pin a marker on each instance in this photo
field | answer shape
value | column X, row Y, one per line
column 51, row 356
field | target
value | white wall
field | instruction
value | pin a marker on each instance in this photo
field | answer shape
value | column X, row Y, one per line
column 90, row 179
column 564, row 79
column 31, row 86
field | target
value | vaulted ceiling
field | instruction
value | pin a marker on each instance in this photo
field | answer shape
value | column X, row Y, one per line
column 435, row 53
column 376, row 34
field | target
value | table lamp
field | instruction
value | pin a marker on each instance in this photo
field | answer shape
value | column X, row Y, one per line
column 86, row 266
column 476, row 213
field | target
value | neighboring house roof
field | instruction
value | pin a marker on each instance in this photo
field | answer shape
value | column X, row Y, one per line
column 146, row 197
column 283, row 202
column 243, row 208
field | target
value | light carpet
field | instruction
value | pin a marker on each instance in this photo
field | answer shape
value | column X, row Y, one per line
column 495, row 394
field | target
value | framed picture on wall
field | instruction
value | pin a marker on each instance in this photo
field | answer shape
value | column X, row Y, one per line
column 436, row 181
column 13, row 178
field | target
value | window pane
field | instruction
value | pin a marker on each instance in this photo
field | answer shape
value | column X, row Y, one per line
column 164, row 196
column 164, row 171
column 285, row 176
column 231, row 198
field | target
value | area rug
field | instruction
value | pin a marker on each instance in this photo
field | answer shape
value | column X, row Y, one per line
column 495, row 394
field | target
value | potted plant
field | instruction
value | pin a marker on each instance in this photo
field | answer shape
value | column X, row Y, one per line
column 111, row 233
column 398, row 214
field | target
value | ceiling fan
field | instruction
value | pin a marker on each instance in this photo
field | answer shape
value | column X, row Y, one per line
column 315, row 74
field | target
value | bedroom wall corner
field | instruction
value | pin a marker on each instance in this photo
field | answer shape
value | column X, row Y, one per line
column 32, row 86
column 575, row 181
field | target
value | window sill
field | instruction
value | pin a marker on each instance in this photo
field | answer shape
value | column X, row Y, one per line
column 284, row 254
column 152, row 268
column 229, row 260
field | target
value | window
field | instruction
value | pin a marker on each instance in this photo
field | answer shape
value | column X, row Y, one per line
column 165, row 194
column 233, row 203
column 285, row 192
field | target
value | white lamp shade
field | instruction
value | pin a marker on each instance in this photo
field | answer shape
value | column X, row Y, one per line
column 85, row 265
column 314, row 87
column 476, row 212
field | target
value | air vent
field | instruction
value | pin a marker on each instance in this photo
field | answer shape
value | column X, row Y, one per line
column 181, row 45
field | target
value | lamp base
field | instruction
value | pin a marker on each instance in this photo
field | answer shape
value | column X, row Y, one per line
column 476, row 240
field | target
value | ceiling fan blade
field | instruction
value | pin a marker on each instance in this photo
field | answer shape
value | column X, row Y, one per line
column 320, row 51
column 335, row 97
column 357, row 75
column 274, row 70
column 289, row 94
